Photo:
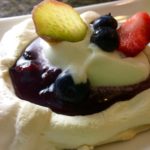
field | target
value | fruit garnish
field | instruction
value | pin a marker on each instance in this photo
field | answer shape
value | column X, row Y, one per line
column 106, row 38
column 58, row 21
column 66, row 90
column 105, row 35
column 105, row 21
column 134, row 34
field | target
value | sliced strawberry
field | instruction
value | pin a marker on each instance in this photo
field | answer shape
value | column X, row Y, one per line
column 57, row 21
column 134, row 34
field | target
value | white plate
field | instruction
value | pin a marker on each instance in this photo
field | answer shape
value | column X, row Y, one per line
column 121, row 10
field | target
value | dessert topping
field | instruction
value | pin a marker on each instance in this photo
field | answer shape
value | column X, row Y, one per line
column 29, row 56
column 105, row 34
column 66, row 90
column 105, row 21
column 134, row 34
column 106, row 38
column 57, row 21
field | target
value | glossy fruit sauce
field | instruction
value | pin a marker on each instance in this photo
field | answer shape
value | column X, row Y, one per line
column 33, row 76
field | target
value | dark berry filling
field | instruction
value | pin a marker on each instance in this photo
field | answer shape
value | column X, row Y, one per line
column 36, row 80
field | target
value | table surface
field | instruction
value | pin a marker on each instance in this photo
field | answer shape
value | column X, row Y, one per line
column 20, row 7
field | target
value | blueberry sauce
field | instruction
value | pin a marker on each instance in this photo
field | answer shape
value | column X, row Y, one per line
column 33, row 77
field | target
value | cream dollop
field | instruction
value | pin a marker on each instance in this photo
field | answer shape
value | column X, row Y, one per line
column 85, row 60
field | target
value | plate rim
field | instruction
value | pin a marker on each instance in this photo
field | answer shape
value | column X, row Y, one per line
column 79, row 9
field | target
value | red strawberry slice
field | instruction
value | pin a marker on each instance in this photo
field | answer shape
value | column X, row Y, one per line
column 134, row 34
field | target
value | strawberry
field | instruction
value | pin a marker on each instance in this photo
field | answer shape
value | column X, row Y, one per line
column 57, row 21
column 134, row 34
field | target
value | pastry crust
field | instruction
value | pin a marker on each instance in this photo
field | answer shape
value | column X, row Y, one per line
column 26, row 126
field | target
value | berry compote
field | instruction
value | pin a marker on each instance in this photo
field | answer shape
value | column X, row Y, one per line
column 36, row 80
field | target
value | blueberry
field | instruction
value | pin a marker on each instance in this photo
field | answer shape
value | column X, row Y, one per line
column 28, row 55
column 105, row 21
column 66, row 90
column 106, row 38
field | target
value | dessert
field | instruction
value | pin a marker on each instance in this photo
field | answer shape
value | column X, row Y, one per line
column 76, row 90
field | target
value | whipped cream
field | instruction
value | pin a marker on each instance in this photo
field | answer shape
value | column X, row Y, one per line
column 85, row 60
column 32, row 127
